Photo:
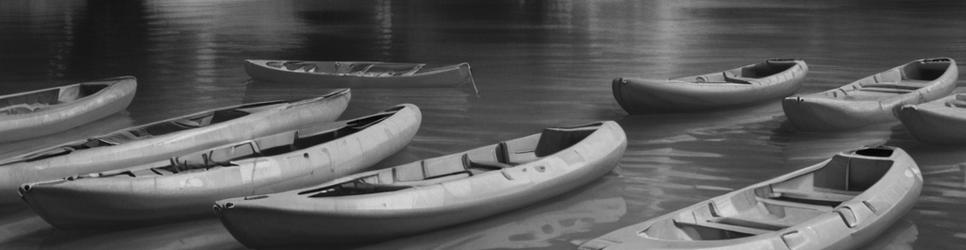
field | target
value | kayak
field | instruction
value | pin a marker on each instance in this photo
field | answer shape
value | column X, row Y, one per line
column 48, row 111
column 164, row 139
column 841, row 203
column 755, row 83
column 360, row 74
column 938, row 122
column 875, row 98
column 185, row 186
column 427, row 194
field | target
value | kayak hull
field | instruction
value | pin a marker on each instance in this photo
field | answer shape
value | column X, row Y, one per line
column 937, row 122
column 445, row 76
column 288, row 219
column 120, row 199
column 70, row 112
column 705, row 92
column 268, row 118
column 880, row 185
column 873, row 99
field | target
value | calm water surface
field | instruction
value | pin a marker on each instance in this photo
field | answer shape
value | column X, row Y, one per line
column 537, row 64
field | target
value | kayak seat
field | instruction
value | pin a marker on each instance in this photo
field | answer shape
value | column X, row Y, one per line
column 223, row 156
column 788, row 203
column 355, row 187
column 277, row 144
column 505, row 155
column 30, row 102
column 906, row 86
column 476, row 167
column 704, row 230
column 732, row 78
column 748, row 223
column 958, row 102
column 22, row 108
column 383, row 70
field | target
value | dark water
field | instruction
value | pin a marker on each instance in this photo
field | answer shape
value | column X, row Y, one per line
column 537, row 64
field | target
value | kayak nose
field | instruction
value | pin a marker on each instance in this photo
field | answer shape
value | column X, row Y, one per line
column 218, row 208
column 620, row 81
column 23, row 189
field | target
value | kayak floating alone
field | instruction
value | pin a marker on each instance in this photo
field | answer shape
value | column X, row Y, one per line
column 427, row 194
column 187, row 185
column 841, row 203
column 164, row 139
column 755, row 83
column 873, row 99
column 332, row 74
column 48, row 111
column 939, row 122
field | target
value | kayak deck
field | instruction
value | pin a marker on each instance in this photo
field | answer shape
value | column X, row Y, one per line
column 776, row 206
column 750, row 74
column 458, row 166
column 42, row 99
column 362, row 69
column 896, row 81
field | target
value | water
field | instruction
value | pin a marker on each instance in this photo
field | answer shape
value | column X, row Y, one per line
column 537, row 64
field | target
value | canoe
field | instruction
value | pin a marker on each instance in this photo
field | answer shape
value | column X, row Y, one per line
column 873, row 99
column 186, row 186
column 164, row 139
column 750, row 84
column 427, row 194
column 360, row 74
column 48, row 111
column 937, row 122
column 841, row 203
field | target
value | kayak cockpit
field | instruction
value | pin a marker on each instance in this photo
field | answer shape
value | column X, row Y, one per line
column 40, row 100
column 779, row 205
column 458, row 166
column 366, row 69
column 271, row 145
column 900, row 80
column 262, row 147
column 744, row 75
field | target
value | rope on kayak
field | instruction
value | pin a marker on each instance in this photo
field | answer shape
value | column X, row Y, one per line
column 476, row 91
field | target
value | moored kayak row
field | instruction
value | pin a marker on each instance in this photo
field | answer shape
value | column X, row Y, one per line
column 904, row 93
column 175, row 169
column 288, row 174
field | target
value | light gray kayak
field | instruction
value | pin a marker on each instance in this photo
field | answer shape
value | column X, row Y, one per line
column 48, row 111
column 942, row 121
column 875, row 98
column 346, row 74
column 428, row 194
column 187, row 185
column 164, row 139
column 841, row 203
column 745, row 85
